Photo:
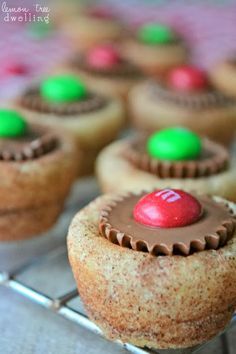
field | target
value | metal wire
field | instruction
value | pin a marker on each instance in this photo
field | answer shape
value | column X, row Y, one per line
column 61, row 305
column 224, row 344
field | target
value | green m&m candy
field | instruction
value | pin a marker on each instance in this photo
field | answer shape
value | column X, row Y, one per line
column 174, row 144
column 155, row 34
column 12, row 124
column 39, row 30
column 63, row 88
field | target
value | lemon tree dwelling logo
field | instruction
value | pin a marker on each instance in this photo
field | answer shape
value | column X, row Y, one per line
column 37, row 13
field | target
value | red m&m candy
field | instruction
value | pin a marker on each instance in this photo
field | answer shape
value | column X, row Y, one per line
column 167, row 208
column 104, row 56
column 187, row 78
column 16, row 69
column 11, row 68
column 101, row 12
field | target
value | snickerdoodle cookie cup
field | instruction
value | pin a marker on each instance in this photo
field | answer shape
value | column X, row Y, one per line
column 152, row 300
column 104, row 70
column 155, row 48
column 91, row 27
column 184, row 98
column 38, row 167
column 223, row 75
column 92, row 119
column 213, row 172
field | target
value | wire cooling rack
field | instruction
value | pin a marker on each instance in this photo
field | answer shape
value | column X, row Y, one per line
column 37, row 280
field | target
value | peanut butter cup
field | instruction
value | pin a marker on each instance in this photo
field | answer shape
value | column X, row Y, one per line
column 212, row 159
column 33, row 100
column 34, row 144
column 211, row 228
column 105, row 61
column 205, row 99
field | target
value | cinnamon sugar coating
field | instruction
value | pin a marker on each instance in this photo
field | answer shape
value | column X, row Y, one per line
column 158, row 302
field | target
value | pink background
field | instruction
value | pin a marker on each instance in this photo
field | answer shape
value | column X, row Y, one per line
column 209, row 27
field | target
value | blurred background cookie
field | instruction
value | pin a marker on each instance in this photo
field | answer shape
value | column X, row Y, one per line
column 223, row 75
column 95, row 24
column 173, row 157
column 104, row 70
column 94, row 120
column 184, row 97
column 38, row 167
column 155, row 48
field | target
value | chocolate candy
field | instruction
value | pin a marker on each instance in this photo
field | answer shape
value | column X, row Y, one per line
column 14, row 68
column 167, row 208
column 103, row 57
column 187, row 78
column 155, row 34
column 101, row 12
column 39, row 30
column 64, row 88
column 174, row 144
column 12, row 124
